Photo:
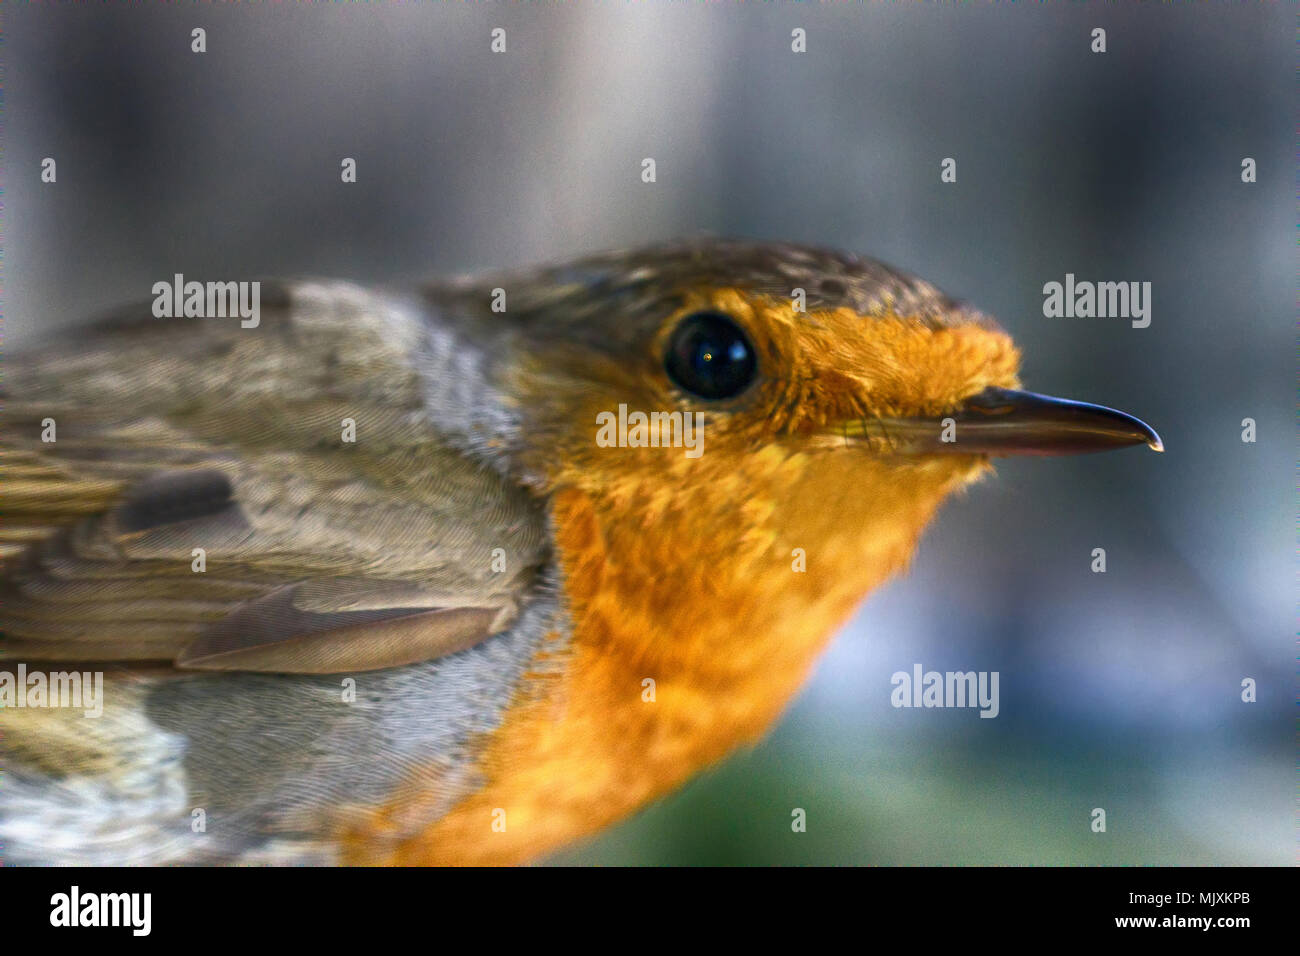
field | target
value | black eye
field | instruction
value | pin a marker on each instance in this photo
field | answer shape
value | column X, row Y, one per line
column 709, row 355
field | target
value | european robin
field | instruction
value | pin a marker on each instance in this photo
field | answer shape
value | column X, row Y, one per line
column 461, row 575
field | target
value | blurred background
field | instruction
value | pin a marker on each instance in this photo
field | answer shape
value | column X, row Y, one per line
column 1119, row 690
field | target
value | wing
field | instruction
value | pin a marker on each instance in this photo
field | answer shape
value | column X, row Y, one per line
column 274, row 498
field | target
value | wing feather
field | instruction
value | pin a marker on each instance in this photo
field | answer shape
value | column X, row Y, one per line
column 199, row 479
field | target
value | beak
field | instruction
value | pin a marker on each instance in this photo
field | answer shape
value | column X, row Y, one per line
column 1002, row 422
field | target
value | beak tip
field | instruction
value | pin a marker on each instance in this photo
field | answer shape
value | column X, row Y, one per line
column 1155, row 444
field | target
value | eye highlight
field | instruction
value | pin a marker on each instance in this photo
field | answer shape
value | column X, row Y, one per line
column 710, row 356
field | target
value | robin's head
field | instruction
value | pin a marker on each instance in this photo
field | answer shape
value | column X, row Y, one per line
column 611, row 361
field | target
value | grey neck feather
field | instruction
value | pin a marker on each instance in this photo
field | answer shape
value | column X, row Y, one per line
column 461, row 395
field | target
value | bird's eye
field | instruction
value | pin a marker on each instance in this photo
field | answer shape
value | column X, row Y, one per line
column 709, row 355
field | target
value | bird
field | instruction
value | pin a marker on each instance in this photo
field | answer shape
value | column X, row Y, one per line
column 464, row 572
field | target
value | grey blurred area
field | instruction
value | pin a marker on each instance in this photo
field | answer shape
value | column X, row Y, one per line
column 1119, row 690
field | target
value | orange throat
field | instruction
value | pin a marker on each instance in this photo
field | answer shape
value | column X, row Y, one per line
column 688, row 637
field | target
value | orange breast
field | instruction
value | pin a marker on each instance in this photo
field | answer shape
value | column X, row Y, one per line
column 685, row 644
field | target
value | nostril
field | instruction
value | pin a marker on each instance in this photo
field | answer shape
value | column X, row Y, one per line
column 991, row 401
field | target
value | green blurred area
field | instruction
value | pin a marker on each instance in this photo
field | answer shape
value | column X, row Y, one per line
column 932, row 803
